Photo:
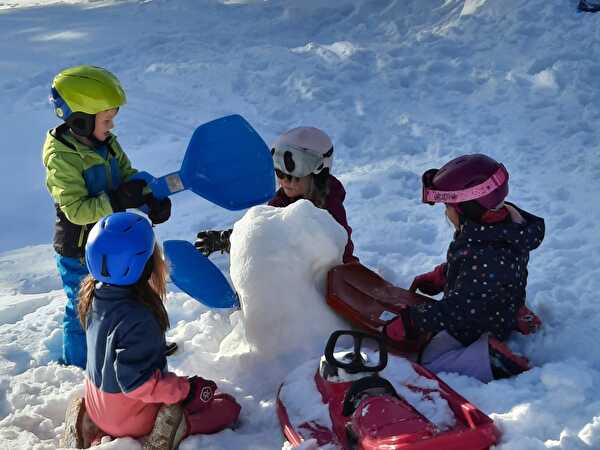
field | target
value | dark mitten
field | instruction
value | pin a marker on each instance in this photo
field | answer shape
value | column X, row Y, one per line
column 159, row 209
column 129, row 194
column 210, row 241
column 201, row 393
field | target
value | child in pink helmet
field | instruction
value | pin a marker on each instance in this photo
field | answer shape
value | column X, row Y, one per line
column 484, row 277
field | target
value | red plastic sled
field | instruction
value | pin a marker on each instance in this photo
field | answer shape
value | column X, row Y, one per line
column 368, row 301
column 367, row 414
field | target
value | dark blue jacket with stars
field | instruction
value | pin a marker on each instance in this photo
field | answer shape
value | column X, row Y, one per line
column 486, row 273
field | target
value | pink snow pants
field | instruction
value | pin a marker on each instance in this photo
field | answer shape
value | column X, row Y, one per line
column 446, row 354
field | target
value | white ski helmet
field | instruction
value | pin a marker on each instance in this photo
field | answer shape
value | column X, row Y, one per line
column 302, row 151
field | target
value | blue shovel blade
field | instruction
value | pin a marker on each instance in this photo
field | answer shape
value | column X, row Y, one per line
column 229, row 164
column 197, row 276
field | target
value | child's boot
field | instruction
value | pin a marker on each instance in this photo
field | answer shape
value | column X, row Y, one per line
column 80, row 431
column 170, row 428
column 505, row 363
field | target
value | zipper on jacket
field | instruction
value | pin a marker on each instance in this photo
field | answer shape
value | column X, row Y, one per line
column 81, row 236
column 108, row 167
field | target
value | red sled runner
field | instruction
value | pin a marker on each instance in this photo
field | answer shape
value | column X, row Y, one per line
column 368, row 301
column 365, row 411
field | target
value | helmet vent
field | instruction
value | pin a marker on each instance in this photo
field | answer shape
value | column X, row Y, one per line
column 328, row 153
column 127, row 229
column 104, row 271
column 288, row 160
column 140, row 253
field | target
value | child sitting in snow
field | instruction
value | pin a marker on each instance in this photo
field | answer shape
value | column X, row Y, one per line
column 302, row 157
column 121, row 309
column 484, row 277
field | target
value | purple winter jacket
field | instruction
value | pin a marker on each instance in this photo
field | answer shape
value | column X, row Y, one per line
column 334, row 203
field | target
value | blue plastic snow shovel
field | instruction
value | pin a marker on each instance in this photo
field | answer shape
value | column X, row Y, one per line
column 226, row 162
column 197, row 276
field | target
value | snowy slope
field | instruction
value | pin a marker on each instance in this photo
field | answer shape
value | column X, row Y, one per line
column 401, row 86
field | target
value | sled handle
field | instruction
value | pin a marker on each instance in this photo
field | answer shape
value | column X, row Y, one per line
column 356, row 364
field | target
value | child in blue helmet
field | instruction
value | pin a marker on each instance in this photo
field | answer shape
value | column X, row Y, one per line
column 121, row 309
column 88, row 176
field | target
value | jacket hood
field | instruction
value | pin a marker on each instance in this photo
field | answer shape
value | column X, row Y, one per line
column 527, row 236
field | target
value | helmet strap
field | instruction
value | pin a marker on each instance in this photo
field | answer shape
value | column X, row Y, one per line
column 82, row 124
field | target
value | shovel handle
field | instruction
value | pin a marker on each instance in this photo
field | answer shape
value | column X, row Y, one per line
column 164, row 186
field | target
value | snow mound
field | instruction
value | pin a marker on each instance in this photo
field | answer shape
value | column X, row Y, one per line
column 279, row 263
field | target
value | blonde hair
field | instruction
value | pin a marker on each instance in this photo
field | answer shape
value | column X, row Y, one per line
column 150, row 290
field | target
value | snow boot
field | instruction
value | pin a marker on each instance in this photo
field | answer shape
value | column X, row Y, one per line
column 505, row 363
column 170, row 428
column 80, row 431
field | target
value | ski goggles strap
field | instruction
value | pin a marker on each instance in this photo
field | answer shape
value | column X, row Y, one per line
column 297, row 161
column 432, row 196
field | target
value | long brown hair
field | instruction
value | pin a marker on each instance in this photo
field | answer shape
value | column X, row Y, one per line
column 150, row 290
column 319, row 189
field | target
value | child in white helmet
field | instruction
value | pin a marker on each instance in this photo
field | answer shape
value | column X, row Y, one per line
column 302, row 157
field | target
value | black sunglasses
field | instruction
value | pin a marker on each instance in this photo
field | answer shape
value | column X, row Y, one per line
column 281, row 175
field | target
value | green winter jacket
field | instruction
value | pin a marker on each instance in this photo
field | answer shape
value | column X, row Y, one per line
column 79, row 178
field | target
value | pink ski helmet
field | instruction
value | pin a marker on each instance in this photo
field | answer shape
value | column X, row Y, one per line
column 302, row 151
column 466, row 180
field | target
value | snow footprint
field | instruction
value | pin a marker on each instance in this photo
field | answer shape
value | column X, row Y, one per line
column 369, row 191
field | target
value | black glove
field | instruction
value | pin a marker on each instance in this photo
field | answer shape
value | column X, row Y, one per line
column 213, row 240
column 129, row 194
column 159, row 209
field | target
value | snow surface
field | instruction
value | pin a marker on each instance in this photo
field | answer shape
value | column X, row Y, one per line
column 401, row 86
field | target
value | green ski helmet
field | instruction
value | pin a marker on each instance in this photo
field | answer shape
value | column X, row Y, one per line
column 79, row 93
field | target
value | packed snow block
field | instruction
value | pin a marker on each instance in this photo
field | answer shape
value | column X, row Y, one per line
column 368, row 301
column 279, row 263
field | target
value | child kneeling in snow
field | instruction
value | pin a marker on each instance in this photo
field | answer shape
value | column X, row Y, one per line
column 121, row 309
column 484, row 277
column 302, row 158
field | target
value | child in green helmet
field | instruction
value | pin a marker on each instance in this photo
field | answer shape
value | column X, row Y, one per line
column 88, row 176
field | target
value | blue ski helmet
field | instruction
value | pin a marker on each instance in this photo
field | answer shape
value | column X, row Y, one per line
column 118, row 248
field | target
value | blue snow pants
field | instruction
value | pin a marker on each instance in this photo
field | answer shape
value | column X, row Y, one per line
column 72, row 271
